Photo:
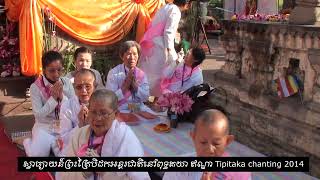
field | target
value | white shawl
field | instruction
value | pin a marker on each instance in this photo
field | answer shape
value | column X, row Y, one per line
column 120, row 141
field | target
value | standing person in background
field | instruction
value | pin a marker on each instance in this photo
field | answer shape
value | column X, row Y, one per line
column 83, row 60
column 157, row 43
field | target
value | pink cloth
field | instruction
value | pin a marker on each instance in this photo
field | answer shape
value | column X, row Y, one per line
column 147, row 41
column 45, row 90
column 97, row 145
column 230, row 175
column 177, row 77
column 139, row 75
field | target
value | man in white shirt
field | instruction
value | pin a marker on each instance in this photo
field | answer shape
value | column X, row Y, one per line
column 47, row 94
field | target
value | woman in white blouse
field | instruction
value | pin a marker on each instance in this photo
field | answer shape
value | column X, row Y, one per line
column 47, row 94
column 83, row 60
column 128, row 81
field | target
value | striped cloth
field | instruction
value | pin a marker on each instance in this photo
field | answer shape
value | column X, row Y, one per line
column 287, row 86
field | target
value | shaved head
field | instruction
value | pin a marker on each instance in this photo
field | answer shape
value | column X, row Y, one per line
column 213, row 117
column 106, row 96
column 211, row 134
column 82, row 72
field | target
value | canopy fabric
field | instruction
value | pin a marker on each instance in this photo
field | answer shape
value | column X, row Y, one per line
column 93, row 22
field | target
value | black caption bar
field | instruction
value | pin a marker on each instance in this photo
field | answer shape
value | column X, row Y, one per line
column 189, row 164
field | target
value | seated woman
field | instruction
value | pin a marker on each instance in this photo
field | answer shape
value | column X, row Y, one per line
column 129, row 82
column 47, row 94
column 103, row 137
column 83, row 60
column 178, row 78
column 74, row 112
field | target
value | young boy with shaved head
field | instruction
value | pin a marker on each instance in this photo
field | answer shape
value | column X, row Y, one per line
column 210, row 137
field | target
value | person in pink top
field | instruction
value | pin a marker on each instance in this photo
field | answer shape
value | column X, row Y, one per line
column 210, row 137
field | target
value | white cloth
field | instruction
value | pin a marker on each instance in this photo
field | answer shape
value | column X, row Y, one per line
column 154, row 65
column 115, row 79
column 267, row 7
column 69, row 118
column 120, row 141
column 195, row 79
column 43, row 111
column 96, row 73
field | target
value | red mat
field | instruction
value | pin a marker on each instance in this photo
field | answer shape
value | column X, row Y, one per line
column 8, row 159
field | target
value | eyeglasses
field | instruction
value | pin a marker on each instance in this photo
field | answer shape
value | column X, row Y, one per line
column 53, row 70
column 101, row 114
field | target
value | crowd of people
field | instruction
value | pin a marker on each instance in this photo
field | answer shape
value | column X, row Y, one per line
column 86, row 111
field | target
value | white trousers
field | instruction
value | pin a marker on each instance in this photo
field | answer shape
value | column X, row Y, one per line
column 41, row 142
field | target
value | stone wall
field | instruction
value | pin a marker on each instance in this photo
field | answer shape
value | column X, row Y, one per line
column 256, row 54
column 261, row 52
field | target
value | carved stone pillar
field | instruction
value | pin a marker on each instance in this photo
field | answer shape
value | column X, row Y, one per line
column 306, row 12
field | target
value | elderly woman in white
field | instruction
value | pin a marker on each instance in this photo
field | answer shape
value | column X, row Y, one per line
column 128, row 81
column 104, row 136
